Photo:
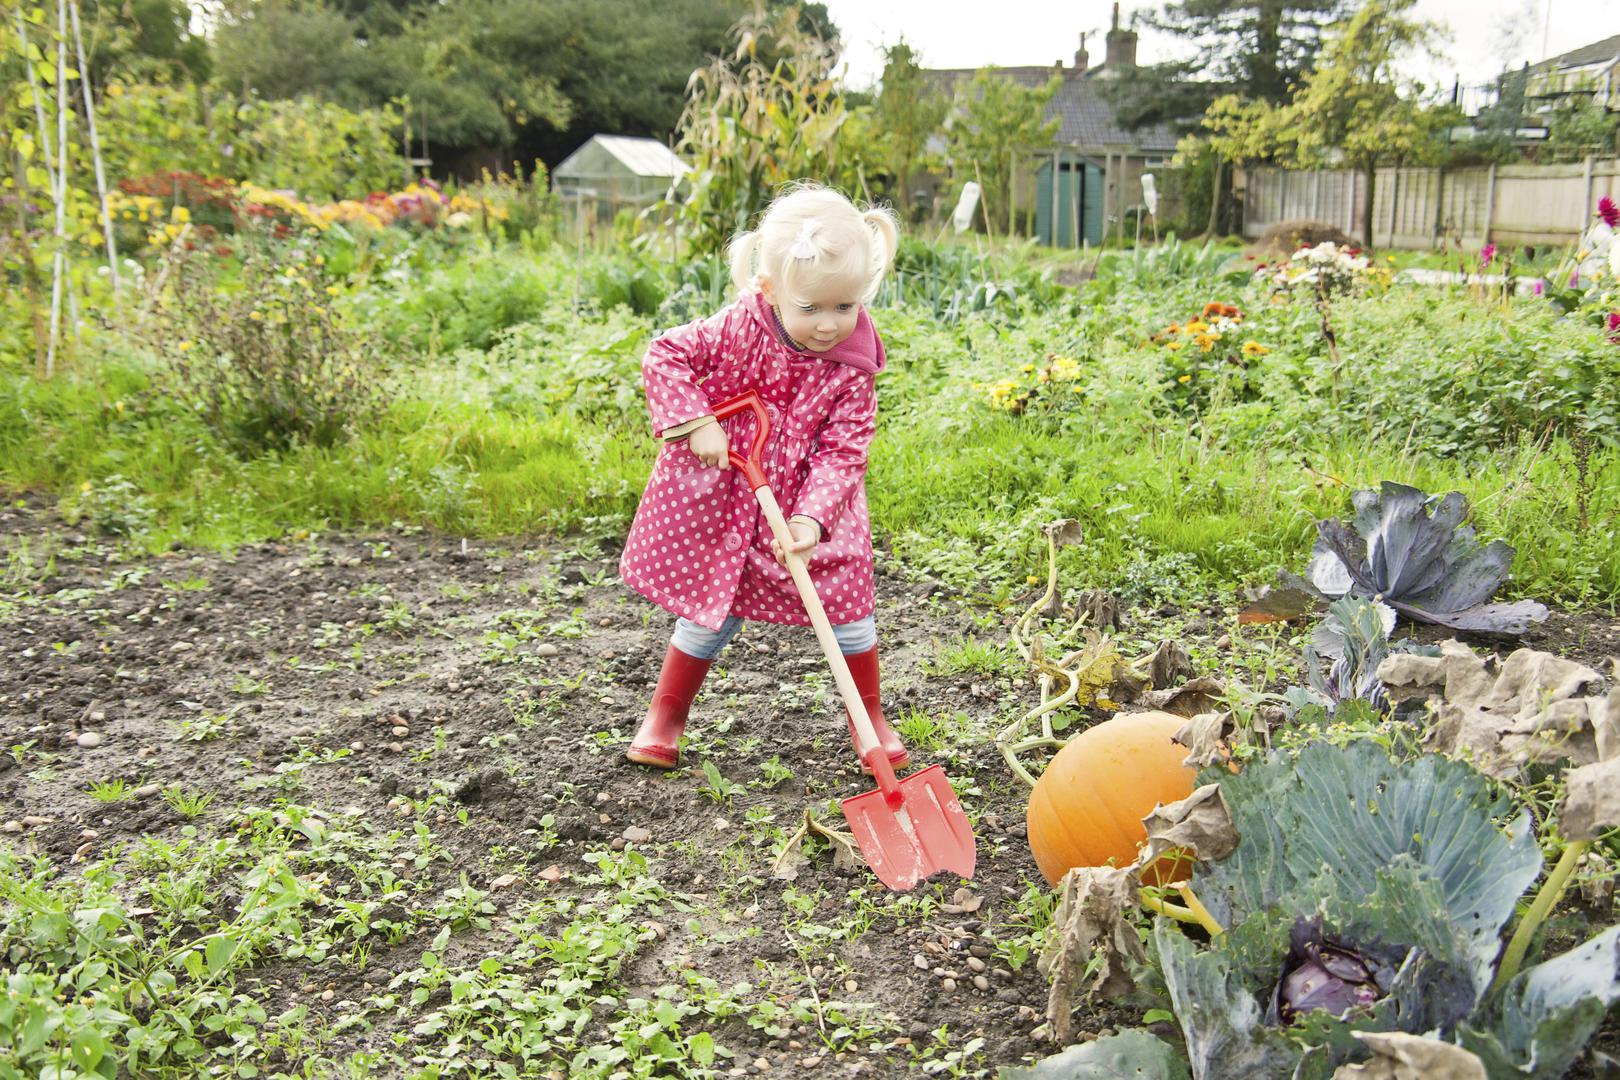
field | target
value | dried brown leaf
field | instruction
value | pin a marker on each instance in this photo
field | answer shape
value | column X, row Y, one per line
column 1200, row 824
column 1591, row 800
column 1063, row 532
column 1399, row 1056
column 1189, row 699
column 1170, row 664
column 1101, row 609
column 1203, row 736
column 1536, row 708
column 792, row 859
column 1091, row 919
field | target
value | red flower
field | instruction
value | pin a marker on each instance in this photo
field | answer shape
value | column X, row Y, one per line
column 1609, row 212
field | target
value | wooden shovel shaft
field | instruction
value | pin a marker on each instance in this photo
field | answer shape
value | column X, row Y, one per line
column 866, row 741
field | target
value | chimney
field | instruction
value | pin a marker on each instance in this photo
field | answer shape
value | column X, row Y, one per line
column 1121, row 44
column 1081, row 58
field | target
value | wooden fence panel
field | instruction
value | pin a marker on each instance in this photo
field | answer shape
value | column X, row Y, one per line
column 1423, row 207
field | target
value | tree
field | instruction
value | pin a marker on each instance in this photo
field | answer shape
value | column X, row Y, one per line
column 1586, row 129
column 142, row 39
column 1353, row 105
column 994, row 118
column 1257, row 49
column 537, row 77
column 1356, row 102
column 1238, row 131
column 908, row 111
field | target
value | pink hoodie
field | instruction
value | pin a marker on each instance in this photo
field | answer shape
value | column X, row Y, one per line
column 699, row 545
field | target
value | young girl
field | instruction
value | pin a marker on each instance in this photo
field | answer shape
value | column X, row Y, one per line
column 699, row 546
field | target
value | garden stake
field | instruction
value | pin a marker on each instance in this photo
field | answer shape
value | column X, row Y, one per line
column 906, row 829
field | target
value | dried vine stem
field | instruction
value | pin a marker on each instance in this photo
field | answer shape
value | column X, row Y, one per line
column 1030, row 642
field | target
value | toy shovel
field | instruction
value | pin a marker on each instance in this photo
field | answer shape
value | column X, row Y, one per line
column 906, row 829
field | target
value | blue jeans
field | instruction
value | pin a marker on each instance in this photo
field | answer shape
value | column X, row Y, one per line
column 705, row 644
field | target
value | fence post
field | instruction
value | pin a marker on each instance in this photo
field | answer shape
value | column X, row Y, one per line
column 1490, row 203
column 1316, row 195
column 1439, row 205
column 1394, row 200
column 1351, row 204
column 1586, row 202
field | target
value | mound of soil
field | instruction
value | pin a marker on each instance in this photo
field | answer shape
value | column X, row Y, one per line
column 1287, row 237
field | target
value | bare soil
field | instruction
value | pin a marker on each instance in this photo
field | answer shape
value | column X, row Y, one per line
column 519, row 732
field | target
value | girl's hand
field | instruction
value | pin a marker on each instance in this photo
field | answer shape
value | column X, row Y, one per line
column 710, row 445
column 806, row 534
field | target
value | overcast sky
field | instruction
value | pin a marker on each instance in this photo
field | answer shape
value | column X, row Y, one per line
column 1485, row 35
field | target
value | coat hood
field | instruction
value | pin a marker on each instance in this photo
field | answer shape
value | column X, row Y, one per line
column 862, row 350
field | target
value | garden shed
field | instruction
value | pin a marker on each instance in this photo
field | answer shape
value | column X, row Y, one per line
column 618, row 171
column 1078, row 198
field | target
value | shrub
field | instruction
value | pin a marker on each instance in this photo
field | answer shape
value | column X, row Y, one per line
column 268, row 363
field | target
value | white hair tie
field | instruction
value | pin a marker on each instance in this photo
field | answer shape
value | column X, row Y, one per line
column 803, row 247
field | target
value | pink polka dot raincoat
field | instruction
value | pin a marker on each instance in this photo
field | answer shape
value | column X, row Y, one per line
column 699, row 545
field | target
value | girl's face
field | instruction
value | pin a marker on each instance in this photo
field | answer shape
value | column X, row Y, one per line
column 821, row 317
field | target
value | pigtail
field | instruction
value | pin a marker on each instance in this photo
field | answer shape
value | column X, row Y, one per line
column 744, row 246
column 885, row 242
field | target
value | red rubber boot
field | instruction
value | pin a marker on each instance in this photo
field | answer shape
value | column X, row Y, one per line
column 864, row 668
column 658, row 739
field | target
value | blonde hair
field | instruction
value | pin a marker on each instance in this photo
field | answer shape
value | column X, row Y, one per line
column 811, row 235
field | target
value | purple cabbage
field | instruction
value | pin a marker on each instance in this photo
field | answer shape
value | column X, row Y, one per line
column 1413, row 552
column 1322, row 973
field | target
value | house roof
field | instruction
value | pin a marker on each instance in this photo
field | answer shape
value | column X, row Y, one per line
column 618, row 154
column 1595, row 53
column 1086, row 118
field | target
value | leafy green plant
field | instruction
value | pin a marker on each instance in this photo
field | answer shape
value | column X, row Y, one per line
column 269, row 364
column 767, row 113
column 114, row 506
column 1391, row 856
column 188, row 804
column 717, row 787
column 109, row 790
column 1426, row 565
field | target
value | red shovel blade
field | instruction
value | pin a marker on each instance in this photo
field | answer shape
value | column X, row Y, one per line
column 924, row 833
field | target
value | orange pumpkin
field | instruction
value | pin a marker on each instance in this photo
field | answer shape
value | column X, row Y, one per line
column 1087, row 808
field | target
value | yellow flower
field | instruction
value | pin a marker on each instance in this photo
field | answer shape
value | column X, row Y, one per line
column 1198, row 326
column 1205, row 342
column 1027, row 368
column 183, row 346
column 115, row 90
column 1254, row 348
column 1183, row 378
column 1173, row 346
column 331, row 290
column 84, row 488
column 1031, row 579
column 180, row 215
column 256, row 316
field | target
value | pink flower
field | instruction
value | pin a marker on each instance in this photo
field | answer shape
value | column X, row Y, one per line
column 1486, row 255
column 1539, row 286
column 1609, row 212
column 1614, row 321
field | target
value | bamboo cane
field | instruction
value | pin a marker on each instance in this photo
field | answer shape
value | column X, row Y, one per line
column 95, row 153
column 59, row 262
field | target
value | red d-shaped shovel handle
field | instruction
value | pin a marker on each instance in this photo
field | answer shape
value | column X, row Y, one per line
column 747, row 401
